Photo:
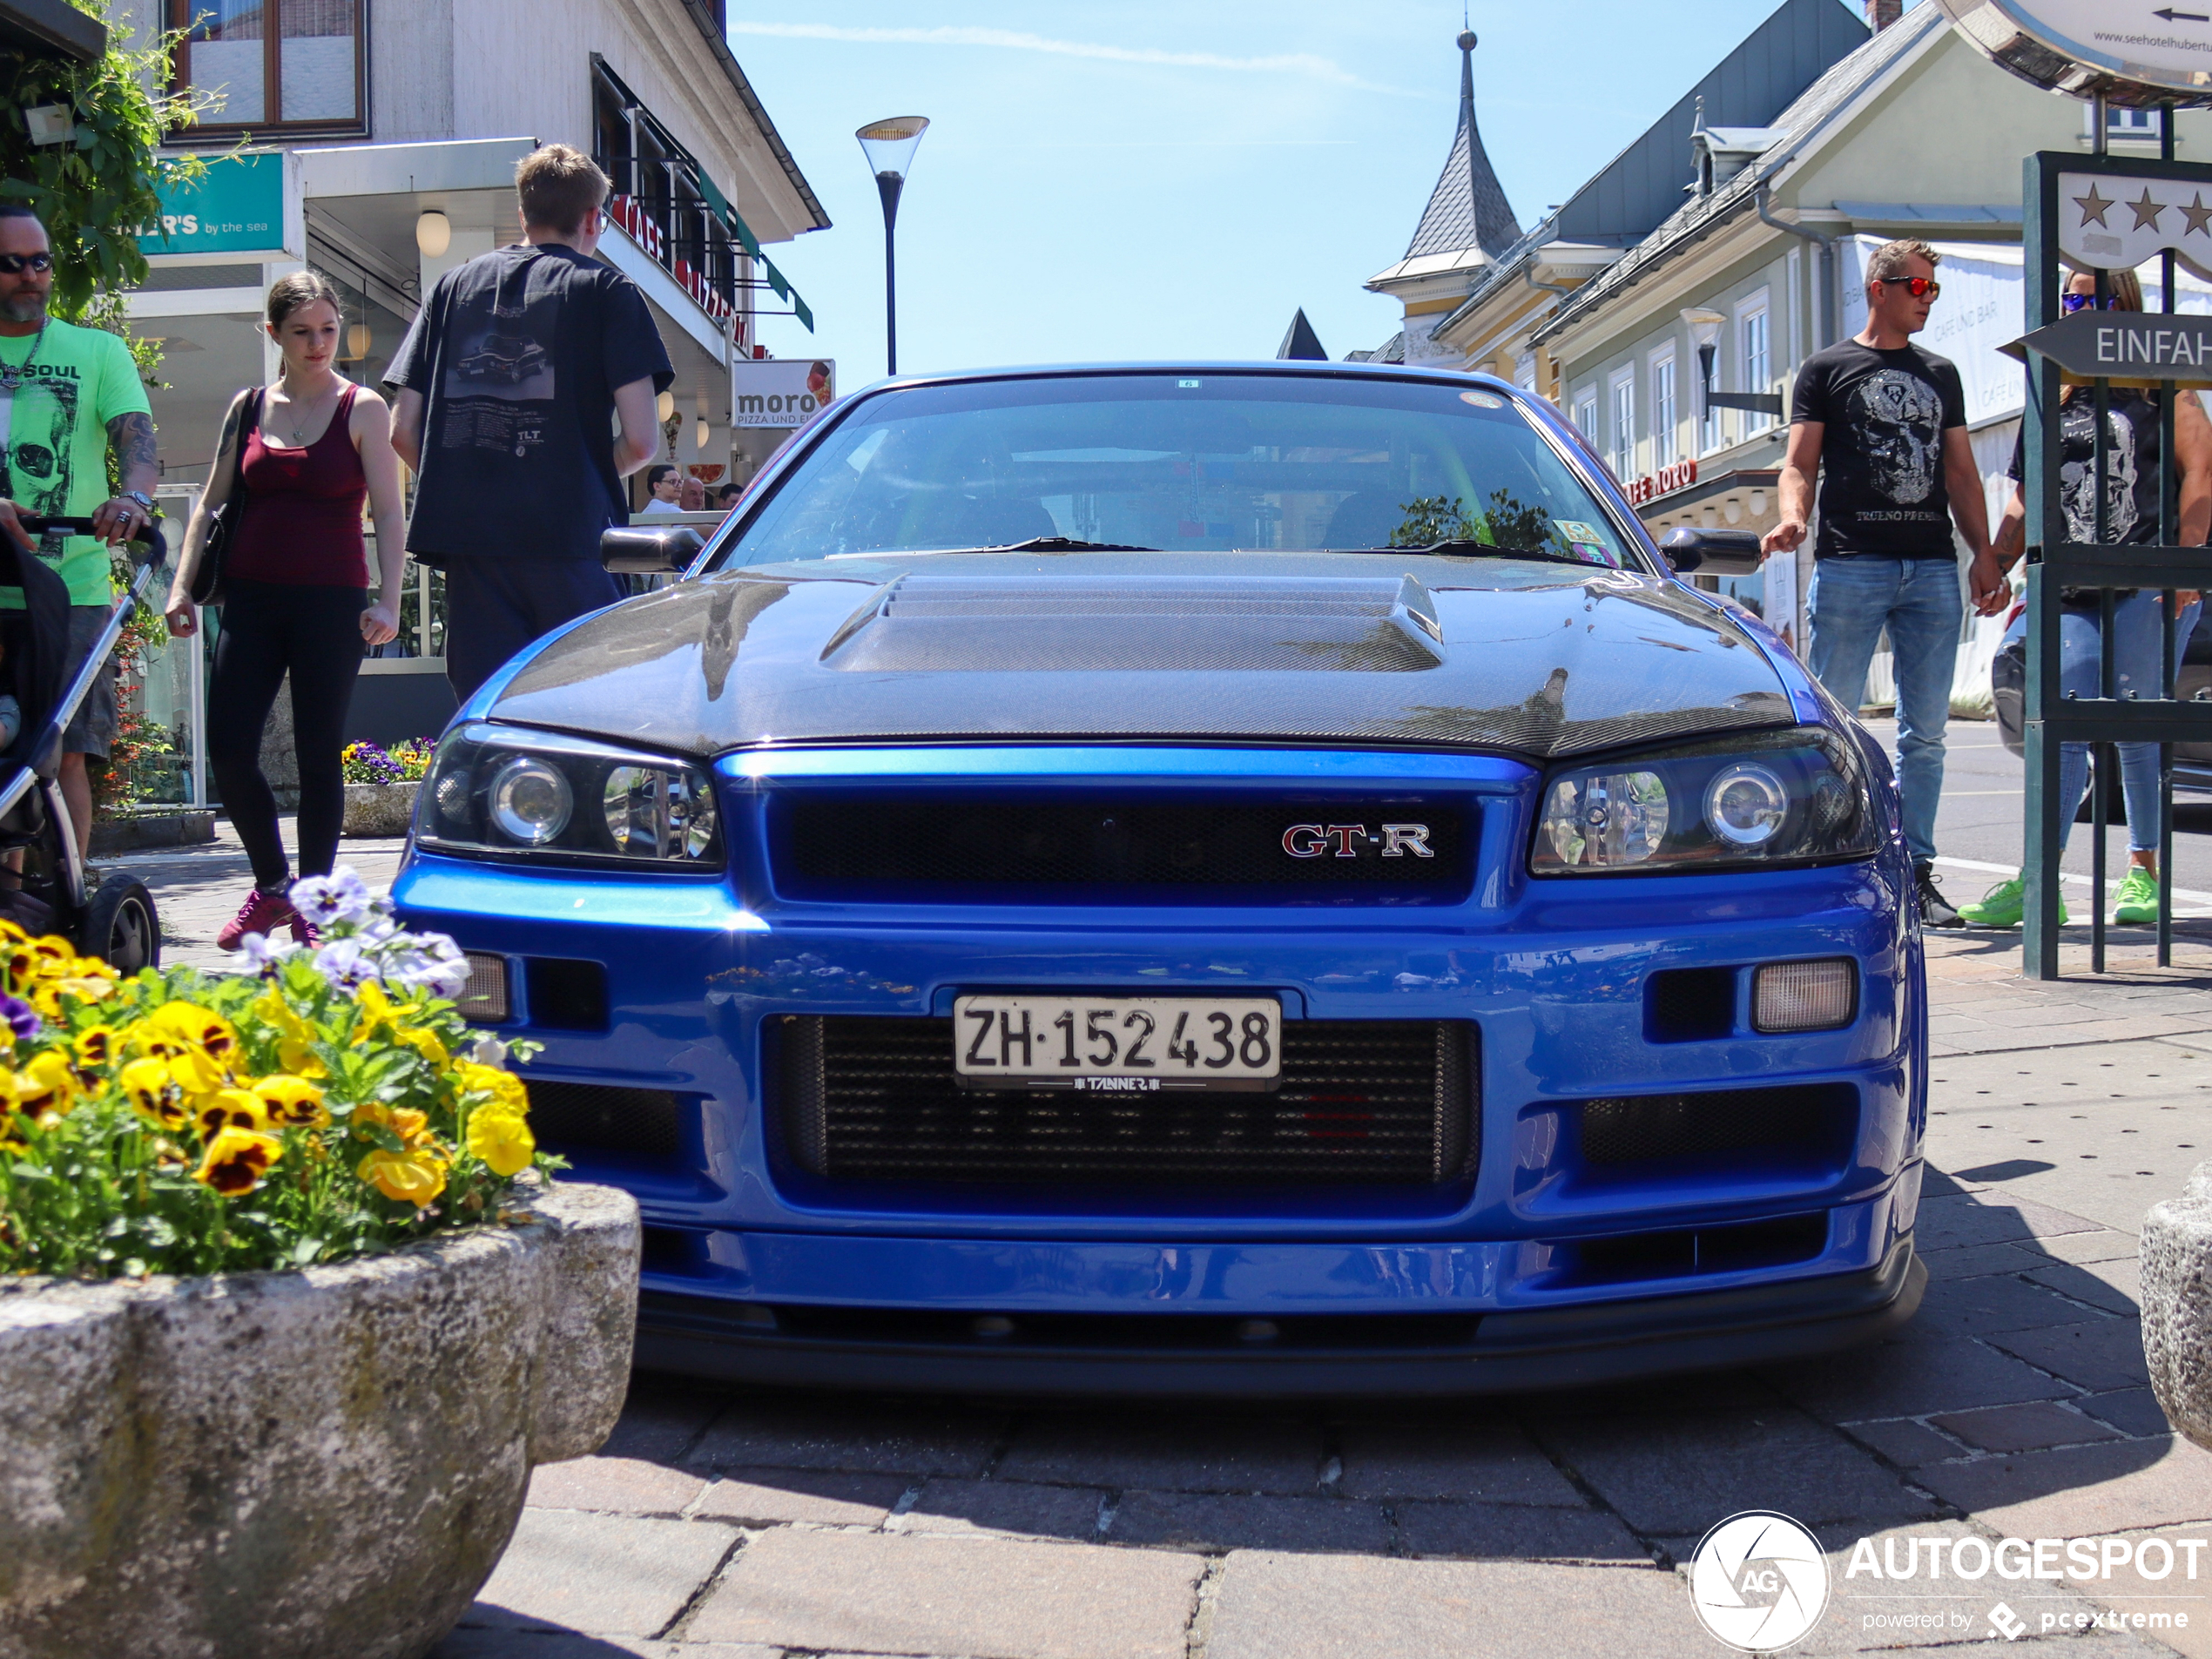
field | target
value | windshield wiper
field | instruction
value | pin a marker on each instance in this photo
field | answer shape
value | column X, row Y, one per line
column 1480, row 550
column 1064, row 545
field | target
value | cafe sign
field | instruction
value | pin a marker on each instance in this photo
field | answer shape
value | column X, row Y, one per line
column 2130, row 51
column 1664, row 482
column 236, row 206
column 780, row 391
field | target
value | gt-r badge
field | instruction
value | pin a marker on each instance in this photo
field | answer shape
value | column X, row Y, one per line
column 1312, row 841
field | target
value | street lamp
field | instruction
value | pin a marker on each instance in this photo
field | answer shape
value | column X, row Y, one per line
column 889, row 146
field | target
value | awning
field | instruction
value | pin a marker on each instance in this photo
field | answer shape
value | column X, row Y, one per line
column 52, row 29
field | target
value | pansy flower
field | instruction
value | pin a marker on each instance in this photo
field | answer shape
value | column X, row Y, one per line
column 237, row 1159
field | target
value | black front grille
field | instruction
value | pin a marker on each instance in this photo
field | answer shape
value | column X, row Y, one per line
column 593, row 1117
column 1362, row 1102
column 1734, row 1249
column 1812, row 1120
column 941, row 846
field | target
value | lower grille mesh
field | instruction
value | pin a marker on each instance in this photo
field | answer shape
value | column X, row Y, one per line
column 1362, row 1102
column 1816, row 1120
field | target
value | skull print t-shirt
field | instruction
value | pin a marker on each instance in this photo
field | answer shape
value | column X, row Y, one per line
column 68, row 386
column 1882, row 493
column 518, row 354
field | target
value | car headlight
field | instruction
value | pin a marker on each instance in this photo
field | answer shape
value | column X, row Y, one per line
column 504, row 790
column 1794, row 796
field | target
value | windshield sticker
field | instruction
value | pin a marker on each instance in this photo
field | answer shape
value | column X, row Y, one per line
column 1482, row 400
column 1575, row 532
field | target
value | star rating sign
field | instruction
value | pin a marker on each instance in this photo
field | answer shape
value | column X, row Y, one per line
column 2199, row 216
column 2094, row 207
column 2146, row 211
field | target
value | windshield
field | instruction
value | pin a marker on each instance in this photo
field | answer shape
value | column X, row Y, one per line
column 1197, row 462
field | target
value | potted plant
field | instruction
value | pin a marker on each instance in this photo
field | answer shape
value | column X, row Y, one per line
column 288, row 1306
column 380, row 784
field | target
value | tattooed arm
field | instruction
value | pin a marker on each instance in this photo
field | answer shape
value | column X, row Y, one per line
column 137, row 458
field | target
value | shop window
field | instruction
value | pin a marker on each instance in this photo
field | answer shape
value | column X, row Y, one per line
column 288, row 63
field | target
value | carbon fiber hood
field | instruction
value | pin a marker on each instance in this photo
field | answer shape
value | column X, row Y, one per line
column 1529, row 658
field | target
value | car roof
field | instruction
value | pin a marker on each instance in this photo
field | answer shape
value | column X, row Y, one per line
column 1302, row 367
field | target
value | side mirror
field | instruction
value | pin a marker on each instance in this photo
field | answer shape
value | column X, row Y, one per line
column 1712, row 552
column 634, row 549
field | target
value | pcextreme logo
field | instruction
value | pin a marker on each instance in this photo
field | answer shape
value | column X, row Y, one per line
column 1759, row 1581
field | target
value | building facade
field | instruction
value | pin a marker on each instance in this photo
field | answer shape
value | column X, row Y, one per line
column 380, row 140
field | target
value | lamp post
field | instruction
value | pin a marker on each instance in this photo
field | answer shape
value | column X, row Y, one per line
column 889, row 146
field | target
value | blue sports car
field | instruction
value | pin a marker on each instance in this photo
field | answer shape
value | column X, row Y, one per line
column 1232, row 880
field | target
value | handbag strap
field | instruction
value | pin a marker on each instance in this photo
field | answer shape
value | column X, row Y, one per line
column 246, row 430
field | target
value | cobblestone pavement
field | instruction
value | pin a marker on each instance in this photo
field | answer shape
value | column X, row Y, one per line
column 719, row 1523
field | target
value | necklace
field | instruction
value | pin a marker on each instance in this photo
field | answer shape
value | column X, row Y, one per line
column 298, row 418
column 11, row 378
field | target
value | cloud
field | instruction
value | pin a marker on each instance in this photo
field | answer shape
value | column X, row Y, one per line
column 1304, row 64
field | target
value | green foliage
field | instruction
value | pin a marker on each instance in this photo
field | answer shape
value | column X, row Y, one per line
column 1506, row 522
column 1430, row 519
column 95, row 191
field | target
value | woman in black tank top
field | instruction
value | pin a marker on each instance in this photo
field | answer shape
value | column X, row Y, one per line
column 2131, row 504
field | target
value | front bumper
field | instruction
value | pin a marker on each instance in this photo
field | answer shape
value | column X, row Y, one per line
column 1571, row 1346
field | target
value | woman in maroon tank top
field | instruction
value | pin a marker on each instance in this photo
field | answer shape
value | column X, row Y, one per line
column 295, row 587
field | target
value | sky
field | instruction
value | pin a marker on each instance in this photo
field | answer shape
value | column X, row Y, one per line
column 1175, row 178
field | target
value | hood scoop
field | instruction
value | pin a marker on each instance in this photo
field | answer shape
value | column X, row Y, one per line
column 1377, row 625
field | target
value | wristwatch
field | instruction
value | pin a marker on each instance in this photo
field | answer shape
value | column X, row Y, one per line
column 140, row 496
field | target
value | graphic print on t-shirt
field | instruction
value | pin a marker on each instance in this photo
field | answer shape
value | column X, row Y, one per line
column 1902, row 421
column 2077, row 486
column 500, row 375
column 40, row 427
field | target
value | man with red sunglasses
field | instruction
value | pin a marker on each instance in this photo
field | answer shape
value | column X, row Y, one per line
column 1887, row 421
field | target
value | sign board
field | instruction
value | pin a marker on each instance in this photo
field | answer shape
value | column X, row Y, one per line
column 2132, row 51
column 780, row 392
column 1679, row 475
column 2126, row 346
column 238, row 207
column 2118, row 223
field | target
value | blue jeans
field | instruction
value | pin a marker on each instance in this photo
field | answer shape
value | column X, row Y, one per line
column 1917, row 600
column 2136, row 650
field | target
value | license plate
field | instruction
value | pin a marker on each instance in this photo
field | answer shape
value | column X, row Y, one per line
column 1118, row 1045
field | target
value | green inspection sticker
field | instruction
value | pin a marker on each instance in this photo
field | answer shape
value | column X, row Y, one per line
column 1578, row 532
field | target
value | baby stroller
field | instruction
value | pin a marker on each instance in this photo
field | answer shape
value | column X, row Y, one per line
column 111, row 917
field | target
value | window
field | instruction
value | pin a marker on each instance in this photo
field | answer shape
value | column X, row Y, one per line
column 1758, row 371
column 2129, row 124
column 1624, row 425
column 1585, row 415
column 1662, row 411
column 305, row 71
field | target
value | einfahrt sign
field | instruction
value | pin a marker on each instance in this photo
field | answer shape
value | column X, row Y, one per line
column 2126, row 346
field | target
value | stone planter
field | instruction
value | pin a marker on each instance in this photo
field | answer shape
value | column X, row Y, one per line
column 2177, row 1306
column 379, row 809
column 324, row 1464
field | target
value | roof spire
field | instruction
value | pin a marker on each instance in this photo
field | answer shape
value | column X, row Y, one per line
column 1467, row 208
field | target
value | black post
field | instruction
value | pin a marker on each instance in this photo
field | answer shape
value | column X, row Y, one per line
column 888, row 185
column 2168, row 536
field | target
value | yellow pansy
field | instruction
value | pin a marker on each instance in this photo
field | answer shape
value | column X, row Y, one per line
column 502, row 1140
column 46, row 994
column 154, row 1095
column 237, row 1159
column 229, row 1108
column 412, row 1127
column 414, row 1176
column 45, row 1085
column 202, row 1029
column 424, row 1042
column 291, row 1102
column 96, row 1048
column 502, row 1086
column 295, row 1037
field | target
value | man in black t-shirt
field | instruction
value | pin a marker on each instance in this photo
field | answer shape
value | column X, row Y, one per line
column 505, row 389
column 1887, row 420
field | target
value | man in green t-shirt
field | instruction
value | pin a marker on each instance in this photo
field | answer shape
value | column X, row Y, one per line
column 67, row 395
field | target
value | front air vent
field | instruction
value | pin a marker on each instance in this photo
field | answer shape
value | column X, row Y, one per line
column 1377, row 626
column 1799, row 1121
column 1363, row 1103
column 1626, row 1258
column 591, row 1117
column 947, row 848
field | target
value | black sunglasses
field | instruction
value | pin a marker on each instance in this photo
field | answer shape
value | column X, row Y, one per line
column 16, row 264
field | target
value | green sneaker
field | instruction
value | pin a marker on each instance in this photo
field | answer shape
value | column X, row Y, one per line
column 2003, row 906
column 2136, row 903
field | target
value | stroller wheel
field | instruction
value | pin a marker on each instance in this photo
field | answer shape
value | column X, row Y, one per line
column 121, row 925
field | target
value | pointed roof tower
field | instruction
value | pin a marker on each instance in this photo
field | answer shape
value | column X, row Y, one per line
column 1468, row 207
column 1467, row 227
